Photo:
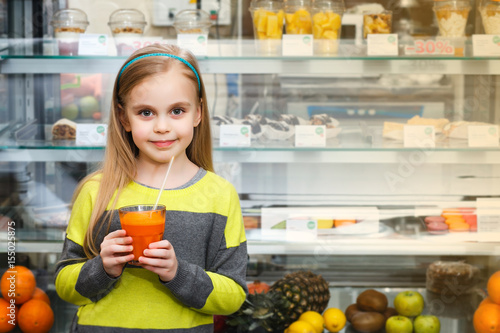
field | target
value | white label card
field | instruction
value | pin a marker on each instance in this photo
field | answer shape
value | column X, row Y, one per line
column 91, row 134
column 483, row 136
column 488, row 219
column 235, row 136
column 297, row 45
column 486, row 45
column 310, row 136
column 198, row 44
column 301, row 230
column 93, row 44
column 382, row 44
column 419, row 136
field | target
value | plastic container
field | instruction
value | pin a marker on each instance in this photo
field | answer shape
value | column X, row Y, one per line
column 326, row 25
column 451, row 17
column 298, row 17
column 490, row 14
column 127, row 26
column 68, row 24
column 267, row 17
column 192, row 21
column 377, row 22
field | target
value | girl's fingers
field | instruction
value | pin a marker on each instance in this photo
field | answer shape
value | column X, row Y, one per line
column 163, row 244
column 116, row 233
column 157, row 253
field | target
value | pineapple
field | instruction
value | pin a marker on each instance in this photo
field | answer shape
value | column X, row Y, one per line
column 287, row 299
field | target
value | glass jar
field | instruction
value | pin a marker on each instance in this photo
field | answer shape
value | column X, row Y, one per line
column 267, row 17
column 192, row 21
column 128, row 22
column 68, row 24
column 490, row 14
column 378, row 22
column 298, row 17
column 326, row 24
column 452, row 17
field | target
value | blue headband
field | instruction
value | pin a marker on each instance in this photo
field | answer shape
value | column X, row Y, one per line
column 164, row 55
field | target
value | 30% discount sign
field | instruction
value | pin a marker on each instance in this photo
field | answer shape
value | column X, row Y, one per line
column 430, row 47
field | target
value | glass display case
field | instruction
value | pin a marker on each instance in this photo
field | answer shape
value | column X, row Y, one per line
column 367, row 189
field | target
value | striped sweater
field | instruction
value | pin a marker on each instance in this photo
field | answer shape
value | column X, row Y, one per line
column 205, row 227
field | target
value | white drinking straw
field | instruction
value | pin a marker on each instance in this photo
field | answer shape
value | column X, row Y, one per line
column 164, row 181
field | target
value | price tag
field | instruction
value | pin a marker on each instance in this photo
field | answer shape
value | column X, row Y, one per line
column 430, row 47
column 486, row 45
column 483, row 136
column 419, row 136
column 93, row 44
column 301, row 230
column 91, row 134
column 297, row 45
column 310, row 136
column 198, row 44
column 235, row 136
column 382, row 44
column 488, row 219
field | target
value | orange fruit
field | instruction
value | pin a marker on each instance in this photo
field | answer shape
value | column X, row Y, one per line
column 487, row 319
column 7, row 317
column 335, row 319
column 18, row 283
column 300, row 326
column 41, row 295
column 35, row 316
column 493, row 287
column 487, row 300
column 314, row 318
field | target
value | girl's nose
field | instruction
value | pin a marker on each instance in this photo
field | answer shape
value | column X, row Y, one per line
column 162, row 124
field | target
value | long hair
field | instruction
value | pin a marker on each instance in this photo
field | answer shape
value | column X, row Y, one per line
column 119, row 165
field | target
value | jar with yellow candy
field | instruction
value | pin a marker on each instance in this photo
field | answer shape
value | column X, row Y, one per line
column 326, row 24
column 298, row 17
column 490, row 15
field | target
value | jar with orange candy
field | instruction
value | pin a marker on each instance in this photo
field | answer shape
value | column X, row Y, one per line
column 326, row 23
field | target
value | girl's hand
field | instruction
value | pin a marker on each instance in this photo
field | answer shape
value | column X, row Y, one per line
column 160, row 258
column 115, row 252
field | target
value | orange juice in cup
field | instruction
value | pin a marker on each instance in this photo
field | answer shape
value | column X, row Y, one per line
column 144, row 224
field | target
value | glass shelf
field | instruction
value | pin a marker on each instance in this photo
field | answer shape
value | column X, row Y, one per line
column 240, row 56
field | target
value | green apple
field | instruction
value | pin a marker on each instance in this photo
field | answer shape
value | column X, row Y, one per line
column 427, row 324
column 398, row 324
column 88, row 105
column 70, row 111
column 409, row 303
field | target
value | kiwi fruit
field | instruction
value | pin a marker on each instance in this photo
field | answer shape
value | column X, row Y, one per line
column 368, row 322
column 350, row 311
column 372, row 300
column 389, row 312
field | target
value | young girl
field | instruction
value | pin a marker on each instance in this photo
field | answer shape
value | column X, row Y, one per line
column 159, row 110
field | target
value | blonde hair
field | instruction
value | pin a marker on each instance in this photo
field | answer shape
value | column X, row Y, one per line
column 119, row 165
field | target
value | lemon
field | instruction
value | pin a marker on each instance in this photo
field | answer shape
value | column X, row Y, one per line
column 315, row 319
column 334, row 319
column 300, row 326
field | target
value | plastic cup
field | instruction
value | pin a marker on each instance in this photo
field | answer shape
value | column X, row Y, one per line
column 326, row 26
column 267, row 17
column 68, row 24
column 192, row 21
column 377, row 22
column 127, row 26
column 490, row 15
column 144, row 224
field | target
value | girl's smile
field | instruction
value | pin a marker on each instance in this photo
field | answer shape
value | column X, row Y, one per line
column 163, row 143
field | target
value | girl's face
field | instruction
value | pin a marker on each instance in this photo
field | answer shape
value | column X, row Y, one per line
column 161, row 113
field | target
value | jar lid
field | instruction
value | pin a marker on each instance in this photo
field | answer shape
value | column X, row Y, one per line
column 127, row 17
column 335, row 5
column 301, row 3
column 266, row 4
column 192, row 19
column 69, row 17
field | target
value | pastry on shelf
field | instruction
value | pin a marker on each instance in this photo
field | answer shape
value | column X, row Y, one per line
column 332, row 124
column 279, row 130
column 257, row 123
column 459, row 129
column 438, row 124
column 217, row 121
column 64, row 129
column 291, row 119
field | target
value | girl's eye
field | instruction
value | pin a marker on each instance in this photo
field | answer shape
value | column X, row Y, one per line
column 146, row 113
column 177, row 112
